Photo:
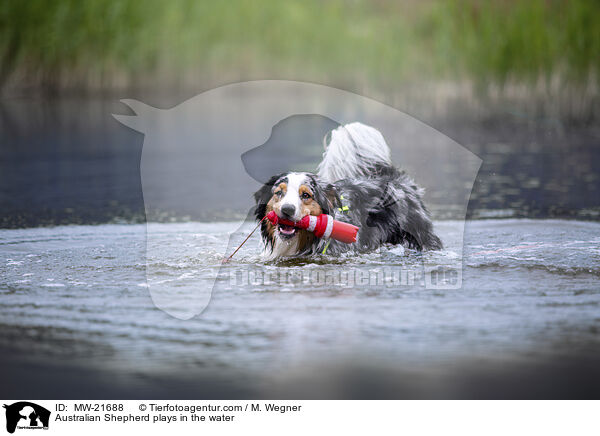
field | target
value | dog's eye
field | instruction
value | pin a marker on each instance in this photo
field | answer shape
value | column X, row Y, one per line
column 305, row 196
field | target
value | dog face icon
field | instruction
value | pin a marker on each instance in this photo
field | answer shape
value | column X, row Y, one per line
column 28, row 417
column 26, row 414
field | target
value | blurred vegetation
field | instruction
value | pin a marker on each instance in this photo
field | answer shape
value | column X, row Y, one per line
column 121, row 43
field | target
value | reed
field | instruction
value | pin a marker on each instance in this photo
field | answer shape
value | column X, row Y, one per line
column 100, row 43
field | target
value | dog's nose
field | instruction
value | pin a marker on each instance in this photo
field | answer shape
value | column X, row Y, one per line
column 288, row 209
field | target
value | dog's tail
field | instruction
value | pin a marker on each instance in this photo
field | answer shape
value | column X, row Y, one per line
column 351, row 151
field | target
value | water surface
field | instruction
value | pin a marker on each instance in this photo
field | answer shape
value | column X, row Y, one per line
column 78, row 296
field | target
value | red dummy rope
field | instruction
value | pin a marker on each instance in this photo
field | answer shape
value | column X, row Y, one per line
column 247, row 237
column 321, row 225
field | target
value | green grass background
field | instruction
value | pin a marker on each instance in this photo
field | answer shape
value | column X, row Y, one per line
column 102, row 43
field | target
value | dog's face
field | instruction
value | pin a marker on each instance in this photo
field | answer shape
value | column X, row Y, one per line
column 292, row 196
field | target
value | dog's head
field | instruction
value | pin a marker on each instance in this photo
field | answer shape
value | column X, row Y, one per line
column 292, row 196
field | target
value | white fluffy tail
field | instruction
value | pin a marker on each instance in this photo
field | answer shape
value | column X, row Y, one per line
column 352, row 151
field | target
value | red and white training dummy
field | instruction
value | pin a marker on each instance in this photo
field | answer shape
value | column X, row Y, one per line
column 323, row 226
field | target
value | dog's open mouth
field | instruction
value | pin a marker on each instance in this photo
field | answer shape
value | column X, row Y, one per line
column 286, row 231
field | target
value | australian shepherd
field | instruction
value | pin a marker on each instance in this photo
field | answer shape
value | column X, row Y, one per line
column 357, row 183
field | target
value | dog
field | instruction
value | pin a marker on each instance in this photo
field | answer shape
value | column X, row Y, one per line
column 355, row 182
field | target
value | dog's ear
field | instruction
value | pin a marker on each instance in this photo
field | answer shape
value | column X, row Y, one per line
column 263, row 195
column 327, row 197
column 325, row 194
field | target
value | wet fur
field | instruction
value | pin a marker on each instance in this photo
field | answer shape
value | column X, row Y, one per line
column 384, row 202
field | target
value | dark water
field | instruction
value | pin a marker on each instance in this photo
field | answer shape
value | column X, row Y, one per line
column 69, row 161
column 75, row 299
column 77, row 318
